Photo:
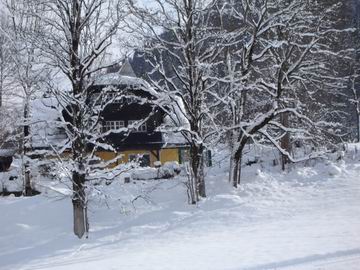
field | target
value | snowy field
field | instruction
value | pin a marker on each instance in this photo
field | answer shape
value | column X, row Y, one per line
column 305, row 219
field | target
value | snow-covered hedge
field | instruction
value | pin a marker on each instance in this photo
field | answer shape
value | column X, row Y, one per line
column 166, row 171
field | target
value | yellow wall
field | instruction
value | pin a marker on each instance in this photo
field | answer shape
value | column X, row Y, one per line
column 106, row 156
column 125, row 156
column 139, row 152
column 171, row 154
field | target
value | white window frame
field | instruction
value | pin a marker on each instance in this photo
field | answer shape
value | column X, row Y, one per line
column 113, row 125
column 131, row 99
column 141, row 129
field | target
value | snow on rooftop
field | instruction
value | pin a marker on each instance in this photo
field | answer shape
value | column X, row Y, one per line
column 45, row 113
column 125, row 76
column 176, row 113
column 126, row 69
column 173, row 139
column 118, row 79
column 7, row 152
column 171, row 134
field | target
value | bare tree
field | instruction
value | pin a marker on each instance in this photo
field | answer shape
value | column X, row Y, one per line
column 74, row 36
column 280, row 61
column 355, row 72
column 181, row 43
column 27, row 74
column 355, row 100
column 6, row 62
column 6, row 71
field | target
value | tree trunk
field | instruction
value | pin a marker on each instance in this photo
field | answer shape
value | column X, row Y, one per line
column 197, row 167
column 236, row 168
column 2, row 63
column 191, row 187
column 26, row 170
column 358, row 122
column 285, row 141
column 231, row 171
column 81, row 224
column 28, row 188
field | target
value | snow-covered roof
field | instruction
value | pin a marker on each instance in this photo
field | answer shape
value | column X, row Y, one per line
column 125, row 76
column 126, row 69
column 173, row 139
column 177, row 113
column 7, row 152
column 171, row 132
column 44, row 123
column 119, row 79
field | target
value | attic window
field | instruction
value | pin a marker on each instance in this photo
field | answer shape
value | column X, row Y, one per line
column 135, row 125
column 113, row 125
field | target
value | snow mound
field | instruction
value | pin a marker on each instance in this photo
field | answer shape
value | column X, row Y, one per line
column 333, row 169
column 299, row 219
column 168, row 170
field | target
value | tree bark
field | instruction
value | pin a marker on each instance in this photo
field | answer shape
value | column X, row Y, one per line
column 1, row 71
column 285, row 141
column 26, row 169
column 236, row 167
column 236, row 159
column 81, row 224
column 358, row 118
column 193, row 197
column 358, row 131
column 28, row 188
column 197, row 167
column 231, row 173
column 79, row 148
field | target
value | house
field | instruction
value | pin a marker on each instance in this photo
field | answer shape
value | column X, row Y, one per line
column 131, row 105
column 134, row 106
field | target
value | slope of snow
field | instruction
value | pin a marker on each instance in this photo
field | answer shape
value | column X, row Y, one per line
column 305, row 219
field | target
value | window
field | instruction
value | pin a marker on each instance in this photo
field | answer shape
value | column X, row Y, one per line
column 112, row 125
column 142, row 159
column 131, row 99
column 134, row 124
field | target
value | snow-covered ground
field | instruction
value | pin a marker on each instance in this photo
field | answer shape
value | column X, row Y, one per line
column 308, row 218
